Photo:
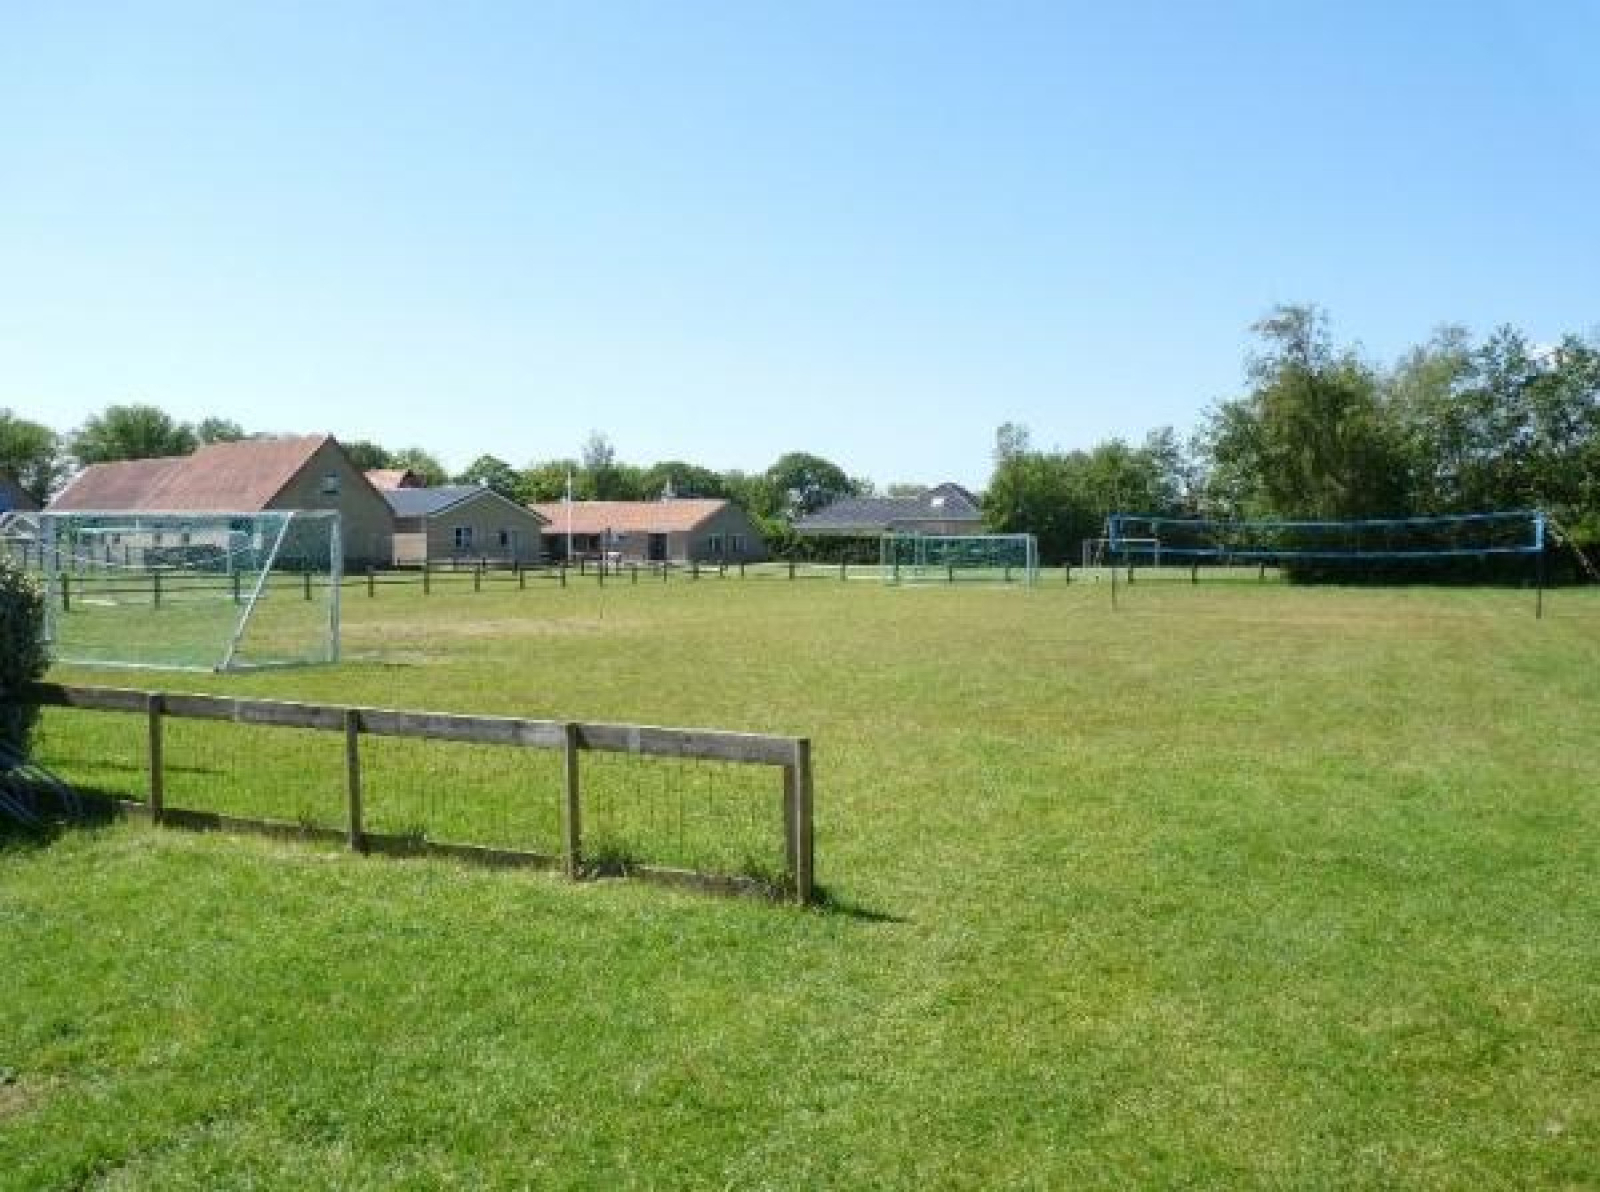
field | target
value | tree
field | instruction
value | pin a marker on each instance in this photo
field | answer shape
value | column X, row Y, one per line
column 804, row 483
column 546, row 480
column 131, row 432
column 421, row 462
column 219, row 430
column 1313, row 437
column 497, row 475
column 31, row 453
column 604, row 479
column 368, row 456
column 682, row 479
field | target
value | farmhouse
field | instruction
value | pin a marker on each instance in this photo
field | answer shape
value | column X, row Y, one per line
column 12, row 497
column 943, row 509
column 250, row 476
column 678, row 530
column 462, row 521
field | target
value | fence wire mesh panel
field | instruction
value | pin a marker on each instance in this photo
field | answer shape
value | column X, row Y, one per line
column 718, row 810
column 708, row 816
column 103, row 754
column 292, row 776
column 195, row 591
column 456, row 792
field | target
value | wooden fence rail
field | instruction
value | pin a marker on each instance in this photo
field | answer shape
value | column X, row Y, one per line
column 791, row 755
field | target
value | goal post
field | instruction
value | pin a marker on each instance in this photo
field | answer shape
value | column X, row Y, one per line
column 192, row 591
column 909, row 558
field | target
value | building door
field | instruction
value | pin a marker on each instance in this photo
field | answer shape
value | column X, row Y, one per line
column 657, row 548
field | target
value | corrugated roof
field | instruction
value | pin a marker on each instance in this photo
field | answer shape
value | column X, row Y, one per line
column 944, row 503
column 630, row 517
column 219, row 477
column 427, row 502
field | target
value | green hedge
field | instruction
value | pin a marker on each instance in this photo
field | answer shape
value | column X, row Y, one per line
column 22, row 650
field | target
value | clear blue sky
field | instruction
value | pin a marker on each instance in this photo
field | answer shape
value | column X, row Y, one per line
column 870, row 230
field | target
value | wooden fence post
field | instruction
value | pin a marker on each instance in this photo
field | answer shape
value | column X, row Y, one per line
column 791, row 568
column 804, row 855
column 427, row 583
column 562, row 573
column 477, row 578
column 153, row 709
column 522, row 577
column 352, row 769
column 306, row 575
column 572, row 821
column 372, row 582
column 236, row 596
column 843, row 575
column 155, row 585
column 66, row 591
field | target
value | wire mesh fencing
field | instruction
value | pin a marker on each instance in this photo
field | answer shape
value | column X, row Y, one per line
column 725, row 811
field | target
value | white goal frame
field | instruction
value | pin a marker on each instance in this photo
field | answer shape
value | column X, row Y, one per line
column 912, row 558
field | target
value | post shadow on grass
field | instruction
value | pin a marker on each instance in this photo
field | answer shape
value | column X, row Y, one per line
column 829, row 902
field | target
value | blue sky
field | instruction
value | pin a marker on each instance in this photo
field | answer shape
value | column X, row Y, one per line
column 874, row 231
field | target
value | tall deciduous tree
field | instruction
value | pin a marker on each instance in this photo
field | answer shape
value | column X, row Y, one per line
column 368, row 455
column 495, row 474
column 219, row 430
column 31, row 453
column 423, row 463
column 131, row 432
column 804, row 483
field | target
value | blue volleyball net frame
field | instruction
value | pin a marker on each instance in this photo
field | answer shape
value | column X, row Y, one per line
column 1135, row 539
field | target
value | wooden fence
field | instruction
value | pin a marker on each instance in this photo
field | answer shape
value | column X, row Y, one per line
column 791, row 755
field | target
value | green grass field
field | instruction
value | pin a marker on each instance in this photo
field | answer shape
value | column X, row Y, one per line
column 1239, row 886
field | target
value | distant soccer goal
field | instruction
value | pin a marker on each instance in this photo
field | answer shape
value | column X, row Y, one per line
column 191, row 591
column 956, row 558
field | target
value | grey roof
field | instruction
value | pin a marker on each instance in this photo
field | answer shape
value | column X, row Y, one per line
column 873, row 515
column 12, row 498
column 426, row 502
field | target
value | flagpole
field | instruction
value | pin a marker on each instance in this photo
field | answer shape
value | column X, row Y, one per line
column 569, row 515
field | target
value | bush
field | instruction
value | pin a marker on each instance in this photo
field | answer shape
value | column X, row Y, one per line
column 22, row 652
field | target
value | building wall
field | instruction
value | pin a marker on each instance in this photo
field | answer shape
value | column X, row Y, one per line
column 366, row 522
column 712, row 541
column 486, row 515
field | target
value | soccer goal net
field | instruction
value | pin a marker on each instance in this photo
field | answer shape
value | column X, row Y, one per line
column 191, row 591
column 1380, row 545
column 954, row 558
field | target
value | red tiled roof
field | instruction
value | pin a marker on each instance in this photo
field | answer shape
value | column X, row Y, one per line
column 629, row 517
column 242, row 476
column 392, row 478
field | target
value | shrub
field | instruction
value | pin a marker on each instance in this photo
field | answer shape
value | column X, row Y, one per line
column 22, row 652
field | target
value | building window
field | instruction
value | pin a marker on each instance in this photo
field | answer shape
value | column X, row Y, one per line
column 505, row 539
column 714, row 544
column 462, row 536
column 330, row 485
column 736, row 544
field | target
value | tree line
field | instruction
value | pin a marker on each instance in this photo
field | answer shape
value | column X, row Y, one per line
column 1456, row 425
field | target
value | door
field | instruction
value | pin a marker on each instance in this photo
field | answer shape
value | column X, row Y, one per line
column 657, row 548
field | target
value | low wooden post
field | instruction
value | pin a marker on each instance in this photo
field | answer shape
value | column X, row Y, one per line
column 1194, row 572
column 154, row 706
column 572, row 820
column 842, row 574
column 950, row 573
column 352, row 769
column 722, row 569
column 155, row 588
column 66, row 591
column 633, row 572
column 306, row 577
column 694, row 569
column 791, row 569
column 805, row 855
column 477, row 579
column 561, row 573
column 236, row 593
column 741, row 568
column 427, row 582
column 522, row 576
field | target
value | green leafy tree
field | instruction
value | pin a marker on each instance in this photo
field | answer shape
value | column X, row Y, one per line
column 219, row 430
column 368, row 456
column 683, row 479
column 802, row 483
column 422, row 463
column 494, row 473
column 603, row 477
column 546, row 480
column 131, row 432
column 23, row 656
column 1313, row 437
column 30, row 453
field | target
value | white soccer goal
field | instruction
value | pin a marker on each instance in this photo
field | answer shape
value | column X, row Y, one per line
column 957, row 558
column 191, row 591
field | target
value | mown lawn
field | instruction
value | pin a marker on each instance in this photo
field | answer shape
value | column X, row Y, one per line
column 1238, row 886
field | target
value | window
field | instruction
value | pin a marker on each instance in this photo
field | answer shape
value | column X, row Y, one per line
column 462, row 536
column 504, row 539
column 714, row 544
column 330, row 484
column 736, row 544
